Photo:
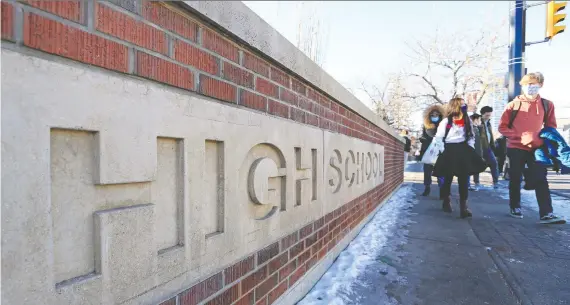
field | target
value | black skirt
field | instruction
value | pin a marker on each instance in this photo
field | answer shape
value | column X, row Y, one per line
column 458, row 159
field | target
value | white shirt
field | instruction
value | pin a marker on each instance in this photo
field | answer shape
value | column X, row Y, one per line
column 456, row 133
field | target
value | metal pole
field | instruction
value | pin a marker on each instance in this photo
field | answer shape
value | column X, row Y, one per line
column 516, row 49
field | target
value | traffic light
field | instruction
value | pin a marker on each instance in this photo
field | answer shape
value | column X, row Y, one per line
column 552, row 18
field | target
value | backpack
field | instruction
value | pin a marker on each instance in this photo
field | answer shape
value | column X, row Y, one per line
column 545, row 105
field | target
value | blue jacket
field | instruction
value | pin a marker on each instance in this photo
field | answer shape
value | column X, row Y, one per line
column 555, row 149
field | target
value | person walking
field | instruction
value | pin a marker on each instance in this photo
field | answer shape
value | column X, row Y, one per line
column 488, row 144
column 459, row 158
column 501, row 153
column 521, row 123
column 407, row 146
column 476, row 120
column 432, row 117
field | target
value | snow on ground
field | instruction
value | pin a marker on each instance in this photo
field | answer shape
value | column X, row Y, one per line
column 560, row 205
column 338, row 285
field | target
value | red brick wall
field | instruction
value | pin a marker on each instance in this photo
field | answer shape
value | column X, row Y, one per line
column 163, row 43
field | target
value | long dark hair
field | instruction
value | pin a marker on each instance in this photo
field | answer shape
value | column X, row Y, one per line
column 454, row 109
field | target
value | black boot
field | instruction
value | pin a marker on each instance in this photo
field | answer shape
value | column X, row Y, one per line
column 427, row 190
column 464, row 211
column 441, row 197
column 446, row 206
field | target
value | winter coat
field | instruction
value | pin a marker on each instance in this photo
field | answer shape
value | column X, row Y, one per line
column 429, row 128
column 486, row 142
column 554, row 149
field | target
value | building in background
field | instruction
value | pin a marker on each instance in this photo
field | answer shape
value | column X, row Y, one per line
column 497, row 97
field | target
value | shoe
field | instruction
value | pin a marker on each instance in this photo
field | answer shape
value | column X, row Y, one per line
column 464, row 211
column 471, row 188
column 516, row 213
column 446, row 206
column 552, row 219
column 427, row 190
column 496, row 186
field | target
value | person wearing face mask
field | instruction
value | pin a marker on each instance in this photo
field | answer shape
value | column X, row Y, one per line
column 521, row 123
column 488, row 144
column 432, row 117
column 459, row 157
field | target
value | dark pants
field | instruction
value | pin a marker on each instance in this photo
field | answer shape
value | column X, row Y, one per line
column 535, row 176
column 462, row 183
column 501, row 163
column 428, row 169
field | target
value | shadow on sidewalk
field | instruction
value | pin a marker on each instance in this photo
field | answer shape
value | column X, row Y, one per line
column 489, row 259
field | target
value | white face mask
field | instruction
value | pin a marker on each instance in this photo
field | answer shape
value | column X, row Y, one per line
column 530, row 89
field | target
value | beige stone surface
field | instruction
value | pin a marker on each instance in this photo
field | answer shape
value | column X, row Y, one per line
column 97, row 166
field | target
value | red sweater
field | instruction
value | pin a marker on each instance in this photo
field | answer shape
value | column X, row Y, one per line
column 527, row 123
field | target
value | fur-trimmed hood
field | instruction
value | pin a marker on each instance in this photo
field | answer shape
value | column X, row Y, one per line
column 428, row 124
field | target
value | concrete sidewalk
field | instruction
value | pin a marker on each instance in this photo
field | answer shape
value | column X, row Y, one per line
column 489, row 259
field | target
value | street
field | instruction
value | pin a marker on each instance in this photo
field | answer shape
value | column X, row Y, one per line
column 425, row 256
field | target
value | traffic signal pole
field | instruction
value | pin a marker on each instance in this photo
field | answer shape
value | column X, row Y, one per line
column 516, row 48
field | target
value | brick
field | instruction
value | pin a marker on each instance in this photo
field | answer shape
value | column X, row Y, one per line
column 215, row 42
column 124, row 27
column 190, row 55
column 262, row 301
column 7, row 21
column 297, row 275
column 319, row 223
column 56, row 38
column 310, row 240
column 255, row 64
column 267, row 253
column 296, row 249
column 287, row 270
column 322, row 232
column 278, row 109
column 311, row 262
column 312, row 94
column 312, row 120
column 237, row 75
column 265, row 287
column 304, row 257
column 252, row 100
column 227, row 297
column 280, row 77
column 161, row 70
column 71, row 10
column 132, row 6
column 246, row 300
column 218, row 89
column 305, row 231
column 322, row 253
column 298, row 115
column 298, row 87
column 169, row 302
column 253, row 279
column 288, row 96
column 170, row 20
column 278, row 262
column 266, row 87
column 277, row 292
column 202, row 290
column 239, row 269
column 289, row 240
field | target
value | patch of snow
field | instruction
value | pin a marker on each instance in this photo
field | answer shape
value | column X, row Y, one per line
column 337, row 285
column 512, row 260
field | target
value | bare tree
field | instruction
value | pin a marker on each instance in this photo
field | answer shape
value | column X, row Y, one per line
column 312, row 34
column 446, row 66
column 391, row 102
